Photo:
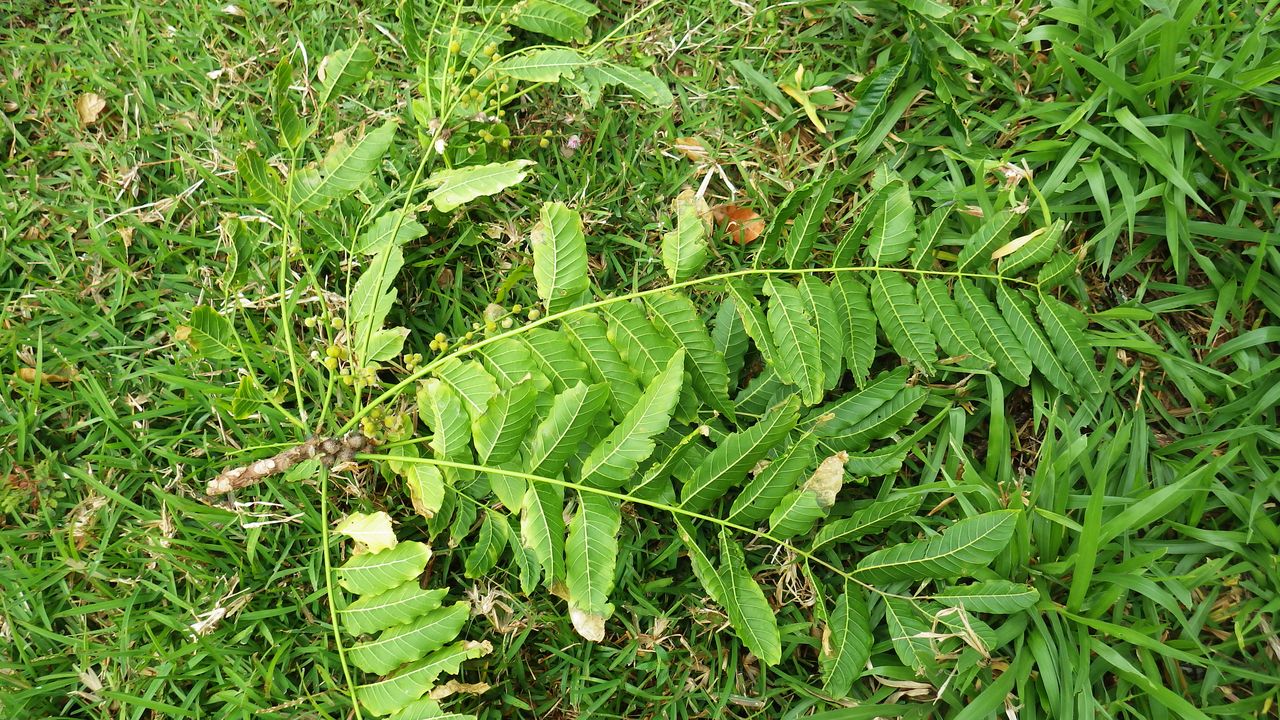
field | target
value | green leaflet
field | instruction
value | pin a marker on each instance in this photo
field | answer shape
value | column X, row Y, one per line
column 441, row 410
column 895, row 305
column 727, row 465
column 910, row 636
column 1064, row 325
column 792, row 328
column 211, row 334
column 875, row 96
column 396, row 606
column 730, row 337
column 847, row 249
column 392, row 228
column 765, row 491
column 819, row 305
column 744, row 602
column 263, row 181
column 469, row 382
column 837, row 417
column 372, row 573
column 803, row 232
column 684, row 248
column 589, row 335
column 968, row 544
column 497, row 431
column 426, row 708
column 770, row 240
column 977, row 251
column 846, row 642
column 930, row 234
column 676, row 317
column 410, row 641
column 849, row 297
column 387, row 696
column 425, row 484
column 638, row 341
column 564, row 20
column 990, row 596
column 1017, row 313
column 553, row 355
column 542, row 528
column 761, row 392
column 556, row 438
column 509, row 361
column 342, row 69
column 1060, row 268
column 753, row 321
column 947, row 321
column 615, row 460
column 806, row 505
column 895, row 226
column 344, row 169
column 994, row 333
column 1039, row 247
column 457, row 186
column 542, row 64
column 483, row 557
column 371, row 299
column 644, row 85
column 559, row 257
column 591, row 551
column 703, row 569
column 873, row 517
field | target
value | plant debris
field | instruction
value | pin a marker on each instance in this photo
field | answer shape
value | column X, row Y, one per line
column 329, row 451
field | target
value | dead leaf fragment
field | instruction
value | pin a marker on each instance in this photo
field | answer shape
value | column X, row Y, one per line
column 742, row 224
column 89, row 107
column 692, row 148
column 589, row 625
column 29, row 375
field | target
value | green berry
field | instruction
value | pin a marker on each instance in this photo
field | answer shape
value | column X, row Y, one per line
column 506, row 323
column 331, row 363
column 333, row 351
column 337, row 323
column 534, row 313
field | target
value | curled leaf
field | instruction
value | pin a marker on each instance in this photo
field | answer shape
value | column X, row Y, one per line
column 742, row 224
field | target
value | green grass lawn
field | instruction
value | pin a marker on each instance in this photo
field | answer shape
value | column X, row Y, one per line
column 161, row 321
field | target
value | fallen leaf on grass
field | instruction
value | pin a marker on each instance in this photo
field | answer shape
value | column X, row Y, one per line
column 692, row 148
column 742, row 224
column 89, row 107
column 29, row 375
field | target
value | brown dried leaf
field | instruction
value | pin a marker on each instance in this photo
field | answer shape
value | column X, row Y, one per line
column 29, row 375
column 742, row 224
column 692, row 148
column 89, row 107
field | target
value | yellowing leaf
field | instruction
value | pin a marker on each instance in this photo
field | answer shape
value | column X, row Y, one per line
column 371, row 531
column 692, row 148
column 89, row 107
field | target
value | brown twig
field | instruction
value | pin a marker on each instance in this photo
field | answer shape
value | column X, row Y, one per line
column 328, row 451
